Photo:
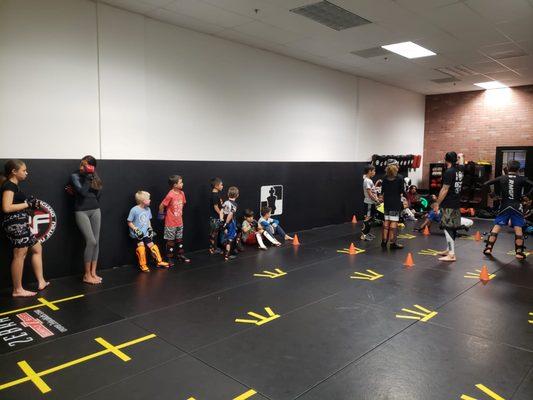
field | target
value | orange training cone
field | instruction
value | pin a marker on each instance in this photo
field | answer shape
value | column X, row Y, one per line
column 295, row 241
column 352, row 250
column 477, row 236
column 409, row 262
column 426, row 231
column 354, row 219
column 484, row 274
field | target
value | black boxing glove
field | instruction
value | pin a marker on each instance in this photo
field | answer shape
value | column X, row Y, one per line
column 33, row 203
column 150, row 233
column 138, row 233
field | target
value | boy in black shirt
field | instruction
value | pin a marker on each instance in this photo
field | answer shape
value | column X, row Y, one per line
column 512, row 186
column 215, row 215
column 450, row 201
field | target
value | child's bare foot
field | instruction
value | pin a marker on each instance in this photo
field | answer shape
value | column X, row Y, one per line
column 97, row 277
column 443, row 253
column 90, row 280
column 449, row 258
column 43, row 285
column 23, row 293
column 287, row 237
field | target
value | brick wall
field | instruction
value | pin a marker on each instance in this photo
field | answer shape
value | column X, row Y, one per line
column 475, row 123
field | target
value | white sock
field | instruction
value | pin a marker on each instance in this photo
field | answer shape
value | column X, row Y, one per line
column 270, row 238
column 260, row 241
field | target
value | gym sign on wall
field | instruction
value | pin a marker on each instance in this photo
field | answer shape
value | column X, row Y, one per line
column 272, row 196
column 43, row 222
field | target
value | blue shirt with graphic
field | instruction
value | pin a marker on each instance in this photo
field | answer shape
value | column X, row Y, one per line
column 140, row 217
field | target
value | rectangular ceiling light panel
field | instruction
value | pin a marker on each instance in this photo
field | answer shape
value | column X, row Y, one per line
column 331, row 15
column 409, row 50
column 491, row 85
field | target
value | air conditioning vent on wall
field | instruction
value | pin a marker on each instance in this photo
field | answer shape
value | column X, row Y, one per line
column 330, row 15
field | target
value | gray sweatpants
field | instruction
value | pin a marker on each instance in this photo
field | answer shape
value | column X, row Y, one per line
column 89, row 224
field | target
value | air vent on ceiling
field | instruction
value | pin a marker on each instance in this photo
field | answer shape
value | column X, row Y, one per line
column 372, row 52
column 458, row 71
column 331, row 15
column 446, row 80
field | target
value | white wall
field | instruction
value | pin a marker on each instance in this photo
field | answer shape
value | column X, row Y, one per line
column 390, row 121
column 48, row 79
column 150, row 90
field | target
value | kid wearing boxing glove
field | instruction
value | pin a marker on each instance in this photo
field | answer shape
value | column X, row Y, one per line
column 141, row 230
column 171, row 211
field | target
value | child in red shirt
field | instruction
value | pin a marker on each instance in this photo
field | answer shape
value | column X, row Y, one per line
column 173, row 205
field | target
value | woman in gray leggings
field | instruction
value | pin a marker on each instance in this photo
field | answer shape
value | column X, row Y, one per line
column 87, row 186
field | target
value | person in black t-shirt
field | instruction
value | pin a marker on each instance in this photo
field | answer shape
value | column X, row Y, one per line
column 15, row 206
column 512, row 188
column 392, row 189
column 449, row 200
column 215, row 214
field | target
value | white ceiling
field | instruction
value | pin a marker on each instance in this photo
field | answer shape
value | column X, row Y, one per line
column 475, row 33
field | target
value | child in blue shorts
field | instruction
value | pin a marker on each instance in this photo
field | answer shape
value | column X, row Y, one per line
column 512, row 188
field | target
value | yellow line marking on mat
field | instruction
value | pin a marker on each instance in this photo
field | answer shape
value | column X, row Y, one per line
column 429, row 252
column 347, row 251
column 531, row 320
column 371, row 276
column 35, row 377
column 261, row 320
column 246, row 395
column 475, row 275
column 43, row 302
column 485, row 390
column 406, row 236
column 272, row 274
column 423, row 316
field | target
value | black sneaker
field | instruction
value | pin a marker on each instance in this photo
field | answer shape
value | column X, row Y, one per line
column 383, row 244
column 396, row 246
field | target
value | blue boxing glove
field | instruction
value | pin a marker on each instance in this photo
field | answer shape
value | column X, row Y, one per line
column 161, row 216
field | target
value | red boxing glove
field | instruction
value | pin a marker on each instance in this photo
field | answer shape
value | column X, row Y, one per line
column 89, row 169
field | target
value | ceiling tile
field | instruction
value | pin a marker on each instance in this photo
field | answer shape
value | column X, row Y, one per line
column 517, row 29
column 184, row 21
column 131, row 5
column 503, row 76
column 208, row 13
column 248, row 7
column 268, row 32
column 487, row 67
column 500, row 10
column 416, row 5
column 518, row 62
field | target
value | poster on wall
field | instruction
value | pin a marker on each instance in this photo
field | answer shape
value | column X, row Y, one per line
column 272, row 196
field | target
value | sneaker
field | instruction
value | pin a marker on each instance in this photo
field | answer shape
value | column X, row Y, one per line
column 183, row 259
column 396, row 246
column 230, row 257
column 383, row 244
column 372, row 236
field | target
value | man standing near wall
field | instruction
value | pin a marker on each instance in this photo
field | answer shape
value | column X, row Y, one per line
column 450, row 201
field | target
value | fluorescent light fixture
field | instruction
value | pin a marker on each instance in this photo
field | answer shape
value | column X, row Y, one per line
column 409, row 50
column 491, row 85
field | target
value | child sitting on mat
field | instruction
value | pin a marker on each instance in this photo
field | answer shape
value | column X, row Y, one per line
column 272, row 225
column 141, row 230
column 253, row 234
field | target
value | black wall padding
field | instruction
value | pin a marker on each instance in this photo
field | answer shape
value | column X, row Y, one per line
column 315, row 194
